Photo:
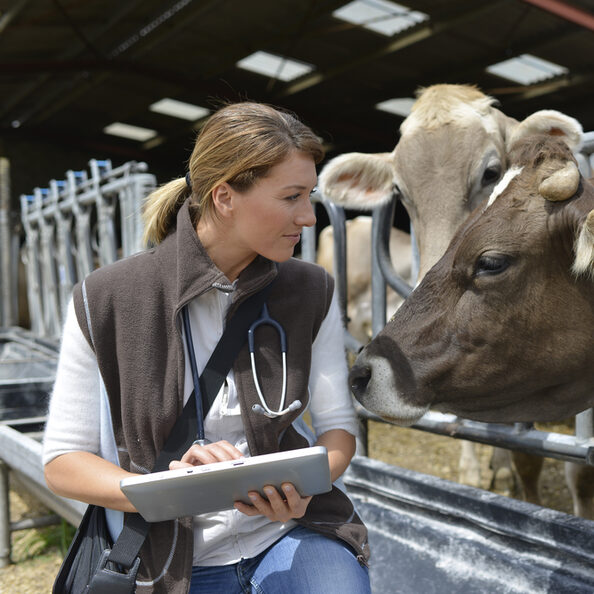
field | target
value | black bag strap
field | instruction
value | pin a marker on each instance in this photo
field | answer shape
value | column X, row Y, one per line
column 135, row 530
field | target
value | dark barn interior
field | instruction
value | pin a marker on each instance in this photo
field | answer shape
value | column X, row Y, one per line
column 70, row 68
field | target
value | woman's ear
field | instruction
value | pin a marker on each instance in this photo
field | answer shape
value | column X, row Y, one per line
column 222, row 199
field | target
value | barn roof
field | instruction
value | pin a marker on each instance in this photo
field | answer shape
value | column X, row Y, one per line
column 70, row 68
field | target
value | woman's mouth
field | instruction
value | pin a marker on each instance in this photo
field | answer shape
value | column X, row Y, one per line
column 294, row 237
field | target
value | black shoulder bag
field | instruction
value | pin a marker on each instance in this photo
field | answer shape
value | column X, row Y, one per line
column 93, row 563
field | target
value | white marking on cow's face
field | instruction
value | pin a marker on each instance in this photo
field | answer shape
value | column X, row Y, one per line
column 382, row 397
column 502, row 185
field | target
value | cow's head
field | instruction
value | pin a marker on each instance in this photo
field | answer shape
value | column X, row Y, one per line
column 452, row 151
column 501, row 329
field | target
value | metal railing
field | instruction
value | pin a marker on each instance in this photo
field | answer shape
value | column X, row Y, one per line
column 75, row 225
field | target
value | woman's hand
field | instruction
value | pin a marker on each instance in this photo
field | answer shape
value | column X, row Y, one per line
column 207, row 454
column 274, row 507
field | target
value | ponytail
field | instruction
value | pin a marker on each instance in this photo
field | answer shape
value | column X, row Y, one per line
column 160, row 210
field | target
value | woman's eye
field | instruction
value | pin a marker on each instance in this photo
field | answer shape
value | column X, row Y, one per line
column 293, row 197
column 491, row 264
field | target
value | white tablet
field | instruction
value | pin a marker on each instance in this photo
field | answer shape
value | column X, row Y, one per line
column 214, row 487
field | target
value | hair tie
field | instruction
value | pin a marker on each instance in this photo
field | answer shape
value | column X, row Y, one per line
column 188, row 180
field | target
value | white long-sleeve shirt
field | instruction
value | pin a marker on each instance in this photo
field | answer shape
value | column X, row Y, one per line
column 79, row 418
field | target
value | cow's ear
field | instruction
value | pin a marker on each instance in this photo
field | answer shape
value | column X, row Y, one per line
column 358, row 180
column 550, row 122
column 583, row 263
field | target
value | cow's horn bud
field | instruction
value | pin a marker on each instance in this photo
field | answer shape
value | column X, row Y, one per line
column 562, row 184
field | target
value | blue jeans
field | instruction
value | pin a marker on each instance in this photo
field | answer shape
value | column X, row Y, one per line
column 301, row 562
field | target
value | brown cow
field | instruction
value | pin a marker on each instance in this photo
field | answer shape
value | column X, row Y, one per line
column 451, row 153
column 501, row 329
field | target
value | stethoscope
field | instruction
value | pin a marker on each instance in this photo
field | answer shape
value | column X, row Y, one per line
column 263, row 408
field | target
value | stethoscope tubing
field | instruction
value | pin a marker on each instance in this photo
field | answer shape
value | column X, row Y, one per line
column 263, row 408
column 200, row 439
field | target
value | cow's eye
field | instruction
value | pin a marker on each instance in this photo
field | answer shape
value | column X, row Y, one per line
column 491, row 175
column 491, row 264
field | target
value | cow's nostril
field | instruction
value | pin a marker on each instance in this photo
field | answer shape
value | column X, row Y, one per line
column 359, row 378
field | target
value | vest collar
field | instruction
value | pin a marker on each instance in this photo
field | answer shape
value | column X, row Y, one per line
column 197, row 273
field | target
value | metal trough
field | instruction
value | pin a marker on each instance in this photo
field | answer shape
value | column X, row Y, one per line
column 432, row 536
column 27, row 370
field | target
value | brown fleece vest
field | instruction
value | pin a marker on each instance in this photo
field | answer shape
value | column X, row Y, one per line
column 133, row 307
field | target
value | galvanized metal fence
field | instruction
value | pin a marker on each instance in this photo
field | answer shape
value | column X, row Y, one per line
column 75, row 225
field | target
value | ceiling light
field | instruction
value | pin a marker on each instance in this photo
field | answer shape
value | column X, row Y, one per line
column 381, row 16
column 128, row 131
column 526, row 69
column 179, row 109
column 401, row 106
column 279, row 67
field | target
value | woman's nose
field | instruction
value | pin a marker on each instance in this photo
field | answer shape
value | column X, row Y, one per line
column 307, row 215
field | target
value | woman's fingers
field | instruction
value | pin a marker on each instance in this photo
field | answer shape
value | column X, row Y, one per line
column 276, row 506
column 207, row 454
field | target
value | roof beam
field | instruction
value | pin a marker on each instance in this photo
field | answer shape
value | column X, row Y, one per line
column 11, row 14
column 71, row 52
column 527, row 92
column 565, row 11
column 399, row 42
column 133, row 47
column 467, row 72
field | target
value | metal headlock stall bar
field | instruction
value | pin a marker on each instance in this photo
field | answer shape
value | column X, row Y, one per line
column 76, row 225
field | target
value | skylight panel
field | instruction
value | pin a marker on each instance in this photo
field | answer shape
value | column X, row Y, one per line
column 527, row 69
column 129, row 131
column 284, row 69
column 179, row 109
column 400, row 106
column 381, row 16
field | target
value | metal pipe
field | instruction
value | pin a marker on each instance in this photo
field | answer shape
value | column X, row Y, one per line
column 584, row 425
column 378, row 282
column 65, row 261
column 4, row 515
column 40, row 522
column 382, row 268
column 308, row 244
column 565, row 11
column 32, row 265
column 7, row 314
column 531, row 441
column 49, row 273
column 105, row 214
column 385, row 216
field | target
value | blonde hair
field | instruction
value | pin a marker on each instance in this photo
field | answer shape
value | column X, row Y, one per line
column 239, row 144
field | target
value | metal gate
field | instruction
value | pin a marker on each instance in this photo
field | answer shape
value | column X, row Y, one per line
column 75, row 225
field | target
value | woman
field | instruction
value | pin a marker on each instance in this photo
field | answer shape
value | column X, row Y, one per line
column 221, row 234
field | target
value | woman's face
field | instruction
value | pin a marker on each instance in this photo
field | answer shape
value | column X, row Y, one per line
column 269, row 217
